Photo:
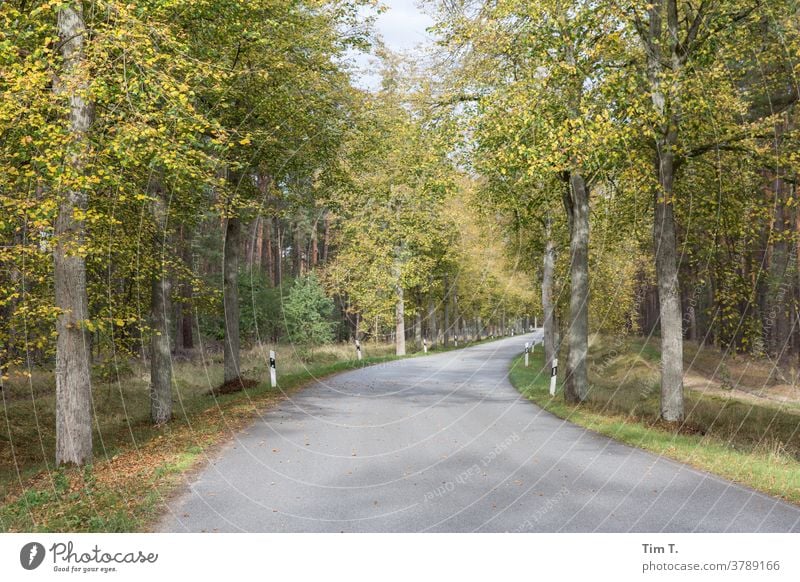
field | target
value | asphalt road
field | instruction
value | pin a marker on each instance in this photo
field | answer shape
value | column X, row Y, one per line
column 444, row 443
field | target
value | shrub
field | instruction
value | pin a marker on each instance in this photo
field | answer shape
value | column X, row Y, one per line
column 307, row 313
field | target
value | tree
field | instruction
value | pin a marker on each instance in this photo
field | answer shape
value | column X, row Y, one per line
column 160, row 356
column 73, row 377
column 307, row 313
column 682, row 57
column 541, row 73
column 392, row 234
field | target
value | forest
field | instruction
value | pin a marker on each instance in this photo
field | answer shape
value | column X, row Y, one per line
column 200, row 179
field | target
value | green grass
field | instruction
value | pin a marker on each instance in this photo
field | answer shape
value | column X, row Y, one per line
column 629, row 383
column 753, row 445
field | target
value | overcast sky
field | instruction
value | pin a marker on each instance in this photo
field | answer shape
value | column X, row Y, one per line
column 402, row 27
column 403, row 24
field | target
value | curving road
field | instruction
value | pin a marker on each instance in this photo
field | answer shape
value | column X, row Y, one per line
column 444, row 443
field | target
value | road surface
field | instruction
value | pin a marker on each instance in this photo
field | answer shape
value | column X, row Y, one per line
column 444, row 443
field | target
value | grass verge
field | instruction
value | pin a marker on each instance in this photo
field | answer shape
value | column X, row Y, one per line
column 137, row 466
column 766, row 465
column 125, row 488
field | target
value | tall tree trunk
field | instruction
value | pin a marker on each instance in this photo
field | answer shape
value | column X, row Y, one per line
column 669, row 300
column 399, row 316
column 297, row 247
column 267, row 257
column 326, row 234
column 576, row 384
column 455, row 315
column 230, row 292
column 418, row 323
column 160, row 361
column 73, row 375
column 446, row 312
column 672, row 409
column 184, row 338
column 253, row 244
column 548, row 276
column 265, row 254
column 400, row 325
column 258, row 247
column 186, row 319
column 796, row 319
column 432, row 334
column 278, row 253
column 314, row 246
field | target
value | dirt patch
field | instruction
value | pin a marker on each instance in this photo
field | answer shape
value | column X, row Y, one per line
column 231, row 386
column 744, row 377
column 780, row 395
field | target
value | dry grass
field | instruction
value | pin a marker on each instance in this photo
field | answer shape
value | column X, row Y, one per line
column 626, row 380
column 121, row 407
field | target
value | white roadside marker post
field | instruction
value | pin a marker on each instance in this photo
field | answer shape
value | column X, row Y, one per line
column 424, row 345
column 273, row 378
column 553, row 376
column 456, row 340
column 358, row 349
column 527, row 349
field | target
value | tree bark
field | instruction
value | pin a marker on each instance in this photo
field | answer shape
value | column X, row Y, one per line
column 576, row 384
column 73, row 347
column 278, row 253
column 230, row 292
column 456, row 316
column 186, row 323
column 418, row 324
column 298, row 248
column 399, row 316
column 446, row 313
column 253, row 244
column 326, row 233
column 548, row 276
column 669, row 301
column 160, row 360
column 267, row 260
column 672, row 409
column 432, row 334
column 400, row 325
column 184, row 327
column 314, row 246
